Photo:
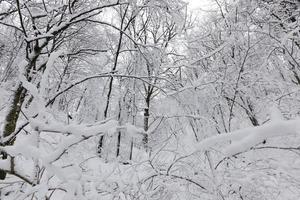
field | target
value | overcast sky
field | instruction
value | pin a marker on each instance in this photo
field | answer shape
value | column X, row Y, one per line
column 202, row 7
column 203, row 4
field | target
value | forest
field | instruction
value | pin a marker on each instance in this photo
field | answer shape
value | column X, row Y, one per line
column 149, row 100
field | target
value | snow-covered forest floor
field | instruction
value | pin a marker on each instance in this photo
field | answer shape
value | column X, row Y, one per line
column 148, row 100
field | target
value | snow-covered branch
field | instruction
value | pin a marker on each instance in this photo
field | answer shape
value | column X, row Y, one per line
column 244, row 139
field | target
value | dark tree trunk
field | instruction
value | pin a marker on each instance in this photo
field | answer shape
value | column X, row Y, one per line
column 146, row 120
column 118, row 143
column 11, row 119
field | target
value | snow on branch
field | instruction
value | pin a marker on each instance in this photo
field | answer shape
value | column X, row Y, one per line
column 5, row 165
column 210, row 54
column 73, row 129
column 245, row 139
column 75, row 135
column 39, row 94
column 75, row 18
column 44, row 81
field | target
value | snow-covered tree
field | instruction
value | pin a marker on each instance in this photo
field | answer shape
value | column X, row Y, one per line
column 140, row 99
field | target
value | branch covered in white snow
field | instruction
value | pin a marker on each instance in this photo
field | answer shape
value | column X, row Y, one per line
column 244, row 139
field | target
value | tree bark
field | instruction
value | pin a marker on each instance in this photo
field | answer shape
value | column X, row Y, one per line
column 146, row 119
column 11, row 119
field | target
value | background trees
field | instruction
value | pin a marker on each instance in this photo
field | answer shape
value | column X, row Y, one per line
column 116, row 100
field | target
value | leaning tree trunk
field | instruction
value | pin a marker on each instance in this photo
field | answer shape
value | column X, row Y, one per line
column 12, row 116
column 11, row 119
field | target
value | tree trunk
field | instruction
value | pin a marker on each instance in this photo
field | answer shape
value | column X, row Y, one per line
column 18, row 99
column 146, row 122
column 11, row 119
column 119, row 132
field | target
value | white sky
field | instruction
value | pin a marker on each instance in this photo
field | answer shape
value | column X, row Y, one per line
column 202, row 4
column 196, row 3
column 201, row 7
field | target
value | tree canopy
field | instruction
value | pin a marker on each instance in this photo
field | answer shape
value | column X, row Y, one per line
column 145, row 99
